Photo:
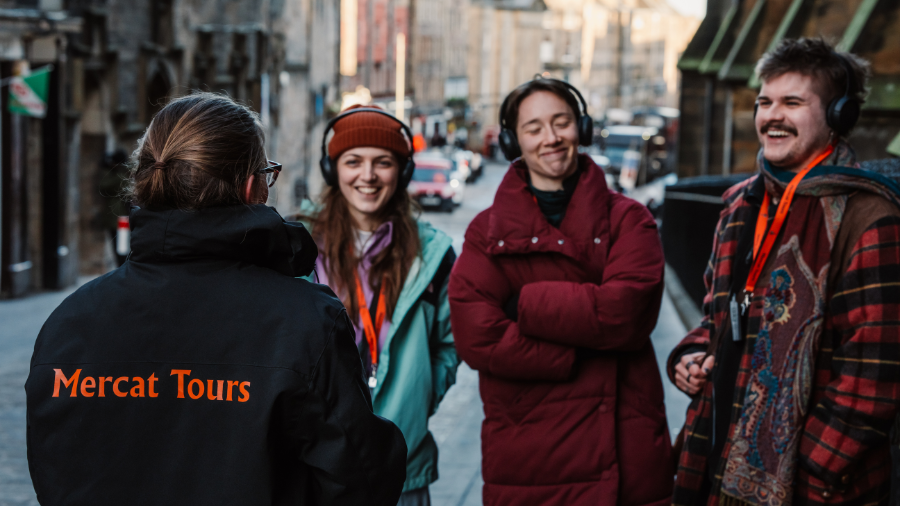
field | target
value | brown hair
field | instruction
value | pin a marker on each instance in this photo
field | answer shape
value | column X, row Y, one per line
column 816, row 58
column 333, row 228
column 198, row 152
column 510, row 116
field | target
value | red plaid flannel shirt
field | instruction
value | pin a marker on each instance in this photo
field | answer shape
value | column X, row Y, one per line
column 844, row 450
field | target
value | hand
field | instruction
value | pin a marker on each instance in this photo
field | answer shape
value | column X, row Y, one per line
column 690, row 374
column 511, row 308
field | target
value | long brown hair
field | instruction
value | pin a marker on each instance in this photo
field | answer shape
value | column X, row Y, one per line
column 334, row 229
column 198, row 152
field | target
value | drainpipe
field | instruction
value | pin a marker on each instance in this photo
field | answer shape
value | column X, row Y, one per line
column 707, row 126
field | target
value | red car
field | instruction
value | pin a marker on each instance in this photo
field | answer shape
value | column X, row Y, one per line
column 435, row 184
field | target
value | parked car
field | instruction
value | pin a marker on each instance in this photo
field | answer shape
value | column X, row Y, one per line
column 476, row 165
column 634, row 153
column 466, row 163
column 435, row 183
column 666, row 119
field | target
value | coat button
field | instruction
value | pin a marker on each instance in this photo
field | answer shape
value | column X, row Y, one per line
column 561, row 242
column 534, row 239
column 500, row 243
column 603, row 408
column 596, row 240
column 826, row 494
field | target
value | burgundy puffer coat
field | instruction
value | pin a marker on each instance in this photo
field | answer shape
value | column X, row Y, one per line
column 573, row 401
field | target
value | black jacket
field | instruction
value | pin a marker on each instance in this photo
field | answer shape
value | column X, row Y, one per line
column 202, row 372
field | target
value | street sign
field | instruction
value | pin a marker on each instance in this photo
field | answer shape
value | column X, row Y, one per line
column 28, row 94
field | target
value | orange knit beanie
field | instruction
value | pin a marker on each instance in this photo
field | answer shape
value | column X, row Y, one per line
column 368, row 129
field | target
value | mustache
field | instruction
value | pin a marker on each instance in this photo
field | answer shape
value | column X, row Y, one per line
column 778, row 126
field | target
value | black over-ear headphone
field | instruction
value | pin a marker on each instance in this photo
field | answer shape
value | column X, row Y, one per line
column 509, row 144
column 842, row 112
column 329, row 172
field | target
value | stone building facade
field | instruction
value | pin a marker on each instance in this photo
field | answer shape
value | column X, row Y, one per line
column 504, row 51
column 435, row 55
column 620, row 54
column 116, row 63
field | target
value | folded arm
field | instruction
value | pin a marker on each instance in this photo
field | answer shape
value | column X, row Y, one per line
column 485, row 337
column 617, row 314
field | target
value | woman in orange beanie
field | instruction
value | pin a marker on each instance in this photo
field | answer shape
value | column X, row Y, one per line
column 391, row 272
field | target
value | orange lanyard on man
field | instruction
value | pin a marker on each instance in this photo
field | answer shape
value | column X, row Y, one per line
column 763, row 242
column 370, row 328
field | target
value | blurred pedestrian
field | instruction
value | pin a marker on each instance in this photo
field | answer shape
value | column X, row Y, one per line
column 553, row 300
column 114, row 174
column 437, row 139
column 795, row 368
column 391, row 272
column 201, row 371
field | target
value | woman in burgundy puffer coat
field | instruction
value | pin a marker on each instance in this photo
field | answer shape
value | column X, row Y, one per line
column 553, row 300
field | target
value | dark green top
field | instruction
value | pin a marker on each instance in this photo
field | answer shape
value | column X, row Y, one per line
column 553, row 204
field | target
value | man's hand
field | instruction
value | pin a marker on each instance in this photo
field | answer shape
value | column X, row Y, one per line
column 690, row 374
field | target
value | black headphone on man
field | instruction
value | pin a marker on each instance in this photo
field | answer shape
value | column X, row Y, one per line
column 842, row 112
column 329, row 169
column 509, row 144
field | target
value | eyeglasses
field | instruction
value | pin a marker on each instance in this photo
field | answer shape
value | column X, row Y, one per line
column 271, row 171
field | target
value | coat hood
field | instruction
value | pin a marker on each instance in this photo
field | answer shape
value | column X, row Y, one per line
column 254, row 234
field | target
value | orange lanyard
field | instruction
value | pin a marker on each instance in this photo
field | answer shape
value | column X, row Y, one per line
column 371, row 329
column 761, row 248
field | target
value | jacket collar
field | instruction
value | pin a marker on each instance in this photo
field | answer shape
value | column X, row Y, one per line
column 254, row 234
column 517, row 225
column 756, row 192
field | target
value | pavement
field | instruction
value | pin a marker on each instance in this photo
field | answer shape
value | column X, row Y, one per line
column 456, row 426
column 20, row 322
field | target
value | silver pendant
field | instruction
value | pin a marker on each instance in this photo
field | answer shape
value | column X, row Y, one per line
column 373, row 381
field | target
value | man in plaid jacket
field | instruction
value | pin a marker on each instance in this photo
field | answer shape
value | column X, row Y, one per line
column 795, row 369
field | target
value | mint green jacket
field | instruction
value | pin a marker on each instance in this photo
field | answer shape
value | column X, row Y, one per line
column 418, row 361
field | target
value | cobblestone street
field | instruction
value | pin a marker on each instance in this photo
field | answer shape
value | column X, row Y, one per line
column 21, row 321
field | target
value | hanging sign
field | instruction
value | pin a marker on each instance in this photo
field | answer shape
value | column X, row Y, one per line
column 28, row 94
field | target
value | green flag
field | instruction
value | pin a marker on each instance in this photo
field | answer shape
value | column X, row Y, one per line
column 28, row 94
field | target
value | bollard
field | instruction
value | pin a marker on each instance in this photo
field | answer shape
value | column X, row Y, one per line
column 123, row 237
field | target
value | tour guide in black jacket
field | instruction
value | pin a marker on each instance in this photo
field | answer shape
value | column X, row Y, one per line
column 202, row 372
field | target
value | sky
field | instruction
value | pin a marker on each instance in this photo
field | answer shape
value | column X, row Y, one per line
column 695, row 8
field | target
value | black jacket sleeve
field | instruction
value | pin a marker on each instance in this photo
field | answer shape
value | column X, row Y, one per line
column 356, row 457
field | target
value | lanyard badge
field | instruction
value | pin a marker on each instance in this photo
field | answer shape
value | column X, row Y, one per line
column 763, row 241
column 371, row 328
column 736, row 333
